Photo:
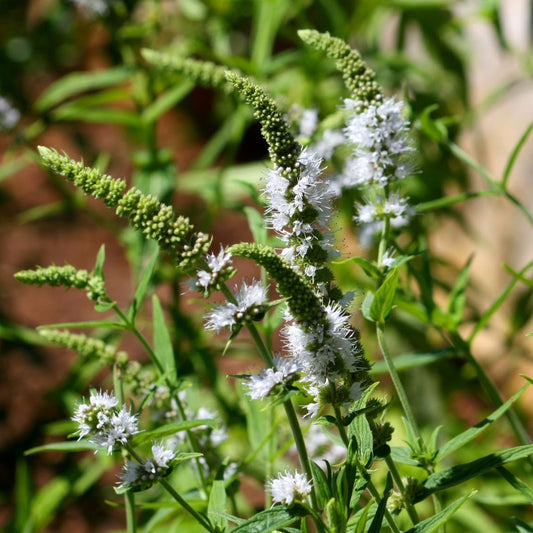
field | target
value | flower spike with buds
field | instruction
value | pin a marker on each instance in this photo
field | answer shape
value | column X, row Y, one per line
column 86, row 346
column 203, row 73
column 66, row 276
column 358, row 78
column 145, row 212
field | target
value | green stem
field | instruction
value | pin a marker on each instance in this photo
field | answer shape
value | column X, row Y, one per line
column 398, row 384
column 201, row 519
column 411, row 511
column 302, row 453
column 131, row 518
column 168, row 487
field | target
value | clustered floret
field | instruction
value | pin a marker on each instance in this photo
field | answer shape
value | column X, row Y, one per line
column 289, row 487
column 140, row 476
column 218, row 269
column 249, row 305
column 105, row 424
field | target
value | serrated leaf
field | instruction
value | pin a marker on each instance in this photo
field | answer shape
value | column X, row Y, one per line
column 276, row 518
column 384, row 297
column 431, row 524
column 171, row 429
column 78, row 82
column 365, row 441
column 458, row 474
column 321, row 484
column 466, row 436
column 163, row 348
column 70, row 446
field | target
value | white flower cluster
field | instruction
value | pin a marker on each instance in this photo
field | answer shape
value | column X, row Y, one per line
column 106, row 425
column 326, row 352
column 289, row 487
column 301, row 213
column 380, row 158
column 219, row 269
column 249, row 305
column 142, row 475
column 9, row 116
column 321, row 448
column 269, row 379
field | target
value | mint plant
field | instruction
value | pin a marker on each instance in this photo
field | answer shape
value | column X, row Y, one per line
column 184, row 468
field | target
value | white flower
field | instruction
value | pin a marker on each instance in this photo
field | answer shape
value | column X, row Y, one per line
column 388, row 259
column 162, row 456
column 249, row 302
column 9, row 116
column 100, row 419
column 289, row 487
column 262, row 384
column 325, row 146
column 220, row 268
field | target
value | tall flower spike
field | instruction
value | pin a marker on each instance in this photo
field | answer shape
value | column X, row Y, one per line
column 145, row 212
column 203, row 73
column 358, row 78
column 66, row 276
column 86, row 346
column 283, row 148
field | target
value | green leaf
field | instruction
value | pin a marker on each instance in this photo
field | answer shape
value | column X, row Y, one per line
column 383, row 299
column 78, row 82
column 171, row 429
column 257, row 225
column 46, row 502
column 321, row 484
column 167, row 101
column 142, row 287
column 105, row 115
column 471, row 433
column 431, row 524
column 70, row 446
column 162, row 343
column 275, row 518
column 458, row 474
column 402, row 455
column 368, row 267
column 217, row 504
column 516, row 483
column 514, row 154
column 521, row 526
column 8, row 168
column 98, row 269
column 366, row 306
column 412, row 360
column 360, row 428
column 375, row 526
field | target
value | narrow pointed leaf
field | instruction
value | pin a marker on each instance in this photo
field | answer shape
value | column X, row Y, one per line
column 70, row 446
column 162, row 342
column 377, row 521
column 432, row 524
column 471, row 433
column 217, row 504
column 171, row 429
column 143, row 285
column 384, row 297
column 455, row 475
column 276, row 518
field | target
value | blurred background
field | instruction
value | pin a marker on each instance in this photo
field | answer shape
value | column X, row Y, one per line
column 72, row 77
